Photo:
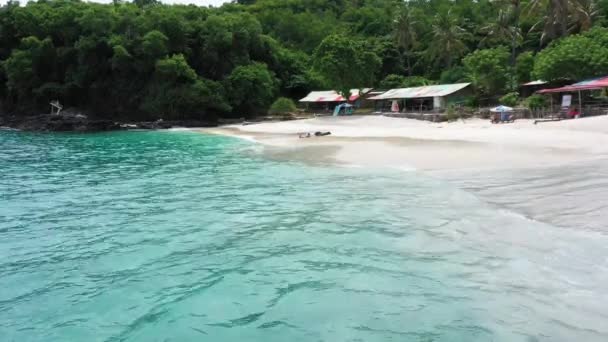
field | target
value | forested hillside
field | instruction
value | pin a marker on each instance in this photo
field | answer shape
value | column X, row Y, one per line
column 147, row 60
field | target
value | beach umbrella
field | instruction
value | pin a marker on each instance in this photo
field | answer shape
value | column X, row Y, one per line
column 501, row 109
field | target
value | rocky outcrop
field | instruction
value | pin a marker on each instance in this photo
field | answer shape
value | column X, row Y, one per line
column 75, row 122
column 164, row 124
column 58, row 123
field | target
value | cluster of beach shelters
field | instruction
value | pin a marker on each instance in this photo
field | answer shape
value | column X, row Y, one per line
column 576, row 89
column 590, row 84
column 424, row 98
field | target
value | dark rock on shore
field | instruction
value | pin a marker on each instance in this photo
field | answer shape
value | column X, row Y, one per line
column 230, row 121
column 58, row 123
column 76, row 122
column 162, row 124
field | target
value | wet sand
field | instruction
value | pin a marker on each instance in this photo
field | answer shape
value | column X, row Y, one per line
column 552, row 172
column 407, row 144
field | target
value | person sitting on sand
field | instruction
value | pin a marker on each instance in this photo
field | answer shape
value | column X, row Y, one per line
column 574, row 113
column 316, row 134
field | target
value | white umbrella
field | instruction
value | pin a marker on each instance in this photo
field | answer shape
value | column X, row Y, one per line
column 501, row 109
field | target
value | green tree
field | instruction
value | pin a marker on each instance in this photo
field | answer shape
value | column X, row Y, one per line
column 584, row 14
column 224, row 42
column 97, row 19
column 504, row 29
column 554, row 17
column 524, row 67
column 154, row 45
column 176, row 92
column 536, row 102
column 488, row 69
column 252, row 88
column 28, row 68
column 406, row 34
column 453, row 75
column 392, row 82
column 368, row 20
column 345, row 63
column 121, row 59
column 146, row 3
column 510, row 99
column 560, row 17
column 390, row 56
column 398, row 81
column 175, row 69
column 145, row 59
column 448, row 38
column 575, row 57
column 282, row 105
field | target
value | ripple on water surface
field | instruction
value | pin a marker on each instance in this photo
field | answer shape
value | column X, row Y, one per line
column 154, row 236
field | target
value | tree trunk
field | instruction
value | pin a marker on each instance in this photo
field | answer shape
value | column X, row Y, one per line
column 409, row 66
column 516, row 13
column 562, row 8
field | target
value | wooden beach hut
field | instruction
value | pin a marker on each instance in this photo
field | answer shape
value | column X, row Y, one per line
column 327, row 100
column 426, row 98
column 573, row 94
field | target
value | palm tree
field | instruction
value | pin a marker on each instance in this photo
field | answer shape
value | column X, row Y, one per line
column 560, row 17
column 505, row 28
column 448, row 38
column 555, row 14
column 583, row 14
column 405, row 34
column 516, row 36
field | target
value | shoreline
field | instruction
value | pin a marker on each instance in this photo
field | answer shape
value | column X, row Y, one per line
column 404, row 143
column 551, row 173
column 71, row 121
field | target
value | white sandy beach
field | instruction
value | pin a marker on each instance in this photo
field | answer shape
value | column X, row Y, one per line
column 403, row 143
column 555, row 172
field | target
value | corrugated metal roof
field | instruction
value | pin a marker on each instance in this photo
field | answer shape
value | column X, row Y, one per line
column 594, row 82
column 533, row 83
column 332, row 96
column 591, row 84
column 425, row 91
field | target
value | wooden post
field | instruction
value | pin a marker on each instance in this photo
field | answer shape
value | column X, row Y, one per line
column 55, row 105
column 580, row 103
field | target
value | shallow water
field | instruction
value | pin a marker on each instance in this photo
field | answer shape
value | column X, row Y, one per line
column 569, row 196
column 178, row 236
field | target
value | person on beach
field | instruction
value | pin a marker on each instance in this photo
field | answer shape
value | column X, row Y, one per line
column 574, row 113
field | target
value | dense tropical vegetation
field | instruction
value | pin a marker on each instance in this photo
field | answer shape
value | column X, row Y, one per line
column 147, row 60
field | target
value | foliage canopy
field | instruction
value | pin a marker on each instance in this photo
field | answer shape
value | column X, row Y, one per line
column 282, row 105
column 146, row 59
column 488, row 69
column 345, row 63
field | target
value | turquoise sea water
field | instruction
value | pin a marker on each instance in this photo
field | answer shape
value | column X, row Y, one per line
column 180, row 236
